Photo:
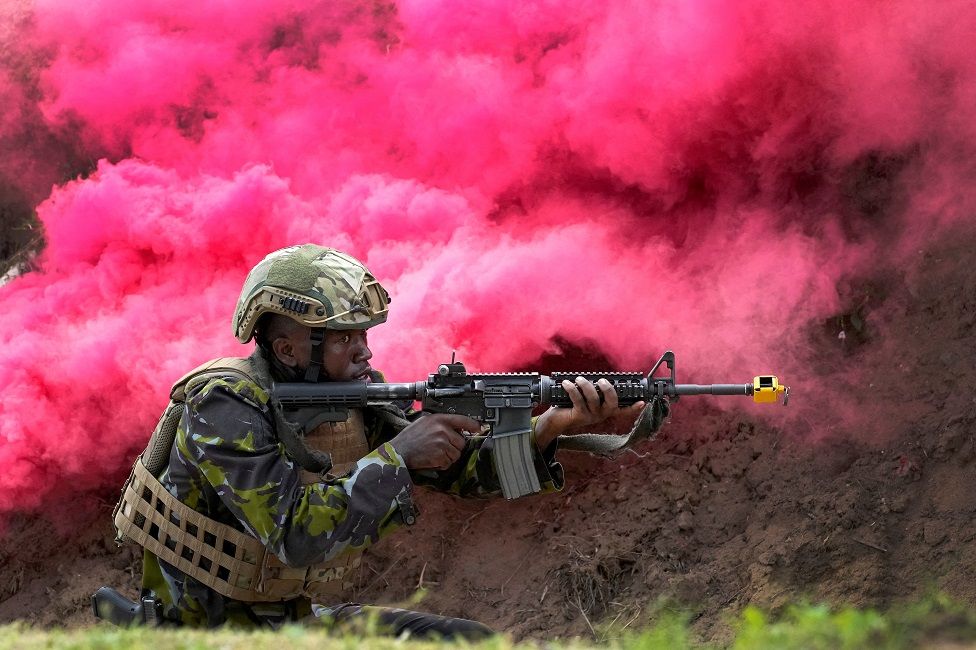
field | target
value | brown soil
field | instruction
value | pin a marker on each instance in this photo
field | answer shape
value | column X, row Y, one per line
column 861, row 496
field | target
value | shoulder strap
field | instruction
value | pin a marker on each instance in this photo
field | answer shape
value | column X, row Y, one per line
column 239, row 366
column 156, row 455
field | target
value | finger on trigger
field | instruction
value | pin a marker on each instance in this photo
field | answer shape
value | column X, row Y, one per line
column 456, row 439
column 463, row 423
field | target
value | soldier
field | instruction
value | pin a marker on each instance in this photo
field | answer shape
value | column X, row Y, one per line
column 248, row 519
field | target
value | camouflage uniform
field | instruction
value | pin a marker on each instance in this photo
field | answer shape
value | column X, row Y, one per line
column 228, row 464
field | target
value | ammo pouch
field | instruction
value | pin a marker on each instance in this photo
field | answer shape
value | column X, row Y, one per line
column 230, row 562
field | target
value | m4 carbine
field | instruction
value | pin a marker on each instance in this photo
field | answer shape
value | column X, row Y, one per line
column 505, row 401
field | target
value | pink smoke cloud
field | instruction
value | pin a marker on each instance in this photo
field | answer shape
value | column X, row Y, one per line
column 639, row 175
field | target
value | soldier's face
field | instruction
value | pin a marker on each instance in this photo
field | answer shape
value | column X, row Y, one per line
column 346, row 355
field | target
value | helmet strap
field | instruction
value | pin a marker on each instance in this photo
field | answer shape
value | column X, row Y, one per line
column 315, row 361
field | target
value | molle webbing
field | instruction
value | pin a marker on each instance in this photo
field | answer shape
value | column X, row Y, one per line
column 222, row 558
column 230, row 562
column 324, row 583
column 345, row 442
column 155, row 458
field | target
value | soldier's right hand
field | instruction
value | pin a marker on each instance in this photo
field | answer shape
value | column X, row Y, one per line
column 434, row 441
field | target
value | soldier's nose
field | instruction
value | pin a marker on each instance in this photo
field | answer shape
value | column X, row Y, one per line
column 365, row 354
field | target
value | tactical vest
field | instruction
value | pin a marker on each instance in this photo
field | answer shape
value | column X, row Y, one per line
column 230, row 562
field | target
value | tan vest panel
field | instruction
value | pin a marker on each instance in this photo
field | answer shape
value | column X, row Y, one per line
column 244, row 569
column 326, row 583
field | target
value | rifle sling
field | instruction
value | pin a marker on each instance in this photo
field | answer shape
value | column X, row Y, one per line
column 645, row 428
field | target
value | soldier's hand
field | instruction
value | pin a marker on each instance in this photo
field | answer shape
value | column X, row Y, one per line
column 434, row 441
column 588, row 409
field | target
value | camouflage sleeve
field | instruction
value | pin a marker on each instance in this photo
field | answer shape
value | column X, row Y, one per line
column 474, row 475
column 226, row 433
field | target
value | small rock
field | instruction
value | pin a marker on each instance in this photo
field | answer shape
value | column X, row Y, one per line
column 898, row 502
column 689, row 589
column 966, row 453
column 768, row 558
column 685, row 521
column 908, row 467
column 620, row 494
column 662, row 548
column 950, row 440
column 934, row 533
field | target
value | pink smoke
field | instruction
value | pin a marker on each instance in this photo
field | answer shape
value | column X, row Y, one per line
column 637, row 175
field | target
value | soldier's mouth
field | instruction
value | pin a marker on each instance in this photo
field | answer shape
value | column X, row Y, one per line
column 364, row 376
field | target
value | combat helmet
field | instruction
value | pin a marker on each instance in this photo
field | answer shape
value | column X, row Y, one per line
column 316, row 286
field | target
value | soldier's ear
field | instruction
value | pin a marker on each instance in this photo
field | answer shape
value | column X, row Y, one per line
column 286, row 351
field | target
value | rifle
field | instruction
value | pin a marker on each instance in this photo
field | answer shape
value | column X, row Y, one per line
column 504, row 401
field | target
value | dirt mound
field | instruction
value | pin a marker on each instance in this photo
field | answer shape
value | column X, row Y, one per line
column 863, row 498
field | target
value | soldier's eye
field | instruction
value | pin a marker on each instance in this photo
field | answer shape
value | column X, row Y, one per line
column 345, row 339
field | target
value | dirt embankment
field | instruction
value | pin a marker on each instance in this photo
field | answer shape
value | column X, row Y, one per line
column 862, row 497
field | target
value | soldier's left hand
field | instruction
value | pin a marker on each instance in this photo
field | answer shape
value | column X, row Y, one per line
column 588, row 409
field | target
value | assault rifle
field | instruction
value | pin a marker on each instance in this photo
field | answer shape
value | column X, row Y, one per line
column 504, row 401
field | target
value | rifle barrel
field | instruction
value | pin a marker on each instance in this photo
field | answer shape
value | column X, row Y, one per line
column 713, row 389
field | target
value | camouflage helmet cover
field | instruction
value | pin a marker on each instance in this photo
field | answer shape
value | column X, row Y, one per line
column 313, row 285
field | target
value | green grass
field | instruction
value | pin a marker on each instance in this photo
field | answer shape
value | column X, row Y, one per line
column 935, row 622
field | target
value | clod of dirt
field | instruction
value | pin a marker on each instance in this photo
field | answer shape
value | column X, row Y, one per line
column 934, row 533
